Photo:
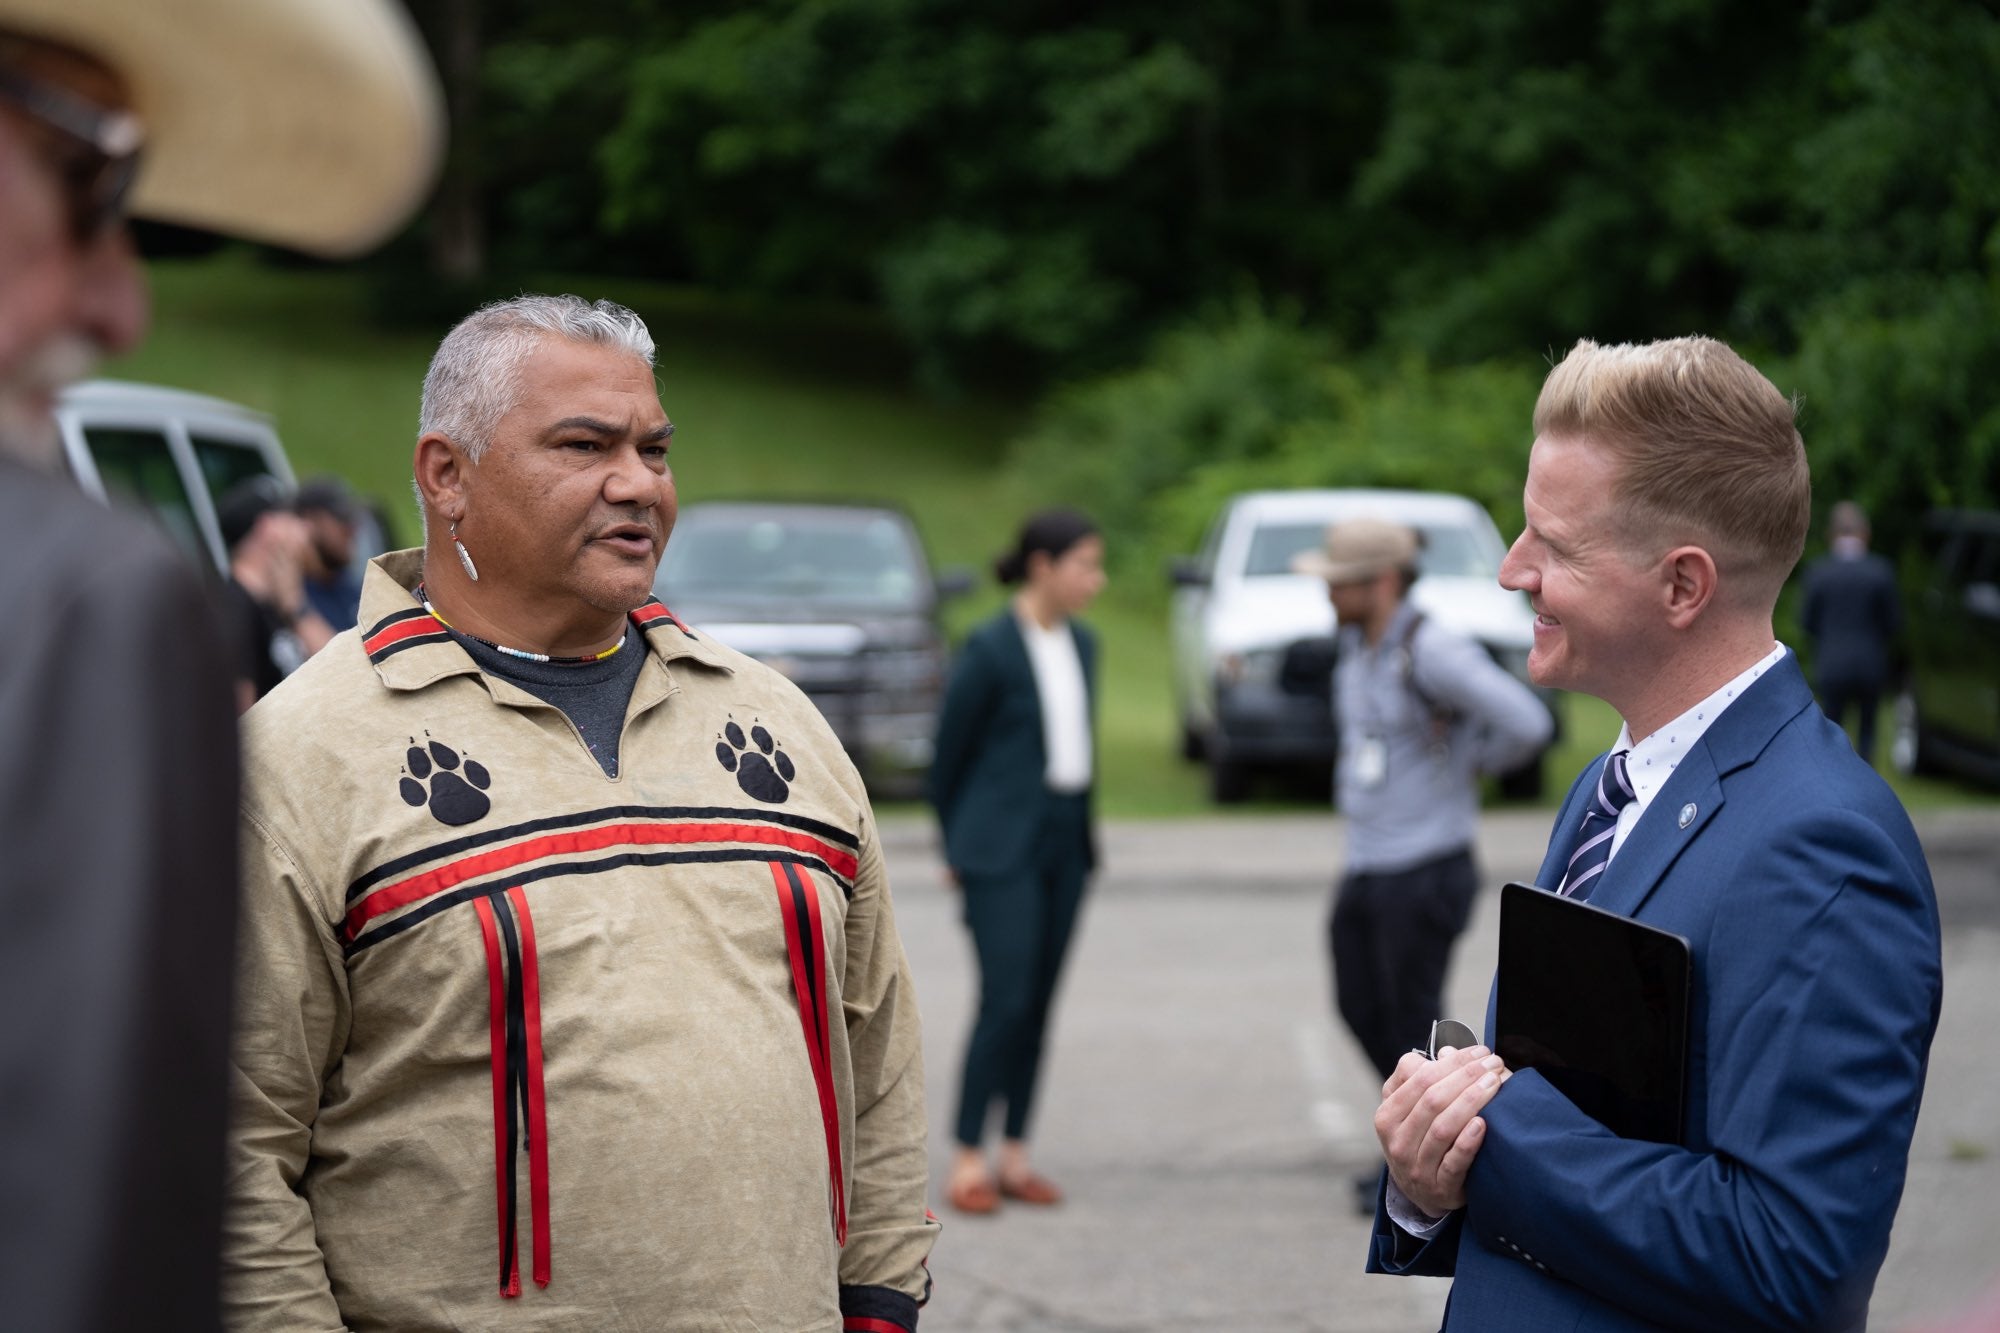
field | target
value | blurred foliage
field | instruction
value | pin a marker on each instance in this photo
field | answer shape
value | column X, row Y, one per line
column 1253, row 399
column 1433, row 197
column 1038, row 183
column 1215, row 393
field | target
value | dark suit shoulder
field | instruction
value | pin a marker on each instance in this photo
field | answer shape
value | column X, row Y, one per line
column 996, row 633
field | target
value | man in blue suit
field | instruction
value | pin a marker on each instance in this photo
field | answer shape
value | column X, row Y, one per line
column 1667, row 500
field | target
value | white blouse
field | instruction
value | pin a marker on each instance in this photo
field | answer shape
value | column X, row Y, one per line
column 1065, row 704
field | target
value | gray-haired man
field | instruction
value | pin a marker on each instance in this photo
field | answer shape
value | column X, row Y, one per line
column 566, row 926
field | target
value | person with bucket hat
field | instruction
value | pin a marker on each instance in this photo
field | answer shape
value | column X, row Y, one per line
column 307, row 123
column 1422, row 713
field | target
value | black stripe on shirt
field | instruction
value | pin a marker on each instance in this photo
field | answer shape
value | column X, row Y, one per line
column 381, row 655
column 663, row 813
column 444, row 902
column 396, row 618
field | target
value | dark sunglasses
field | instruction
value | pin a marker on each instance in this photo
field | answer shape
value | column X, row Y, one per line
column 98, row 153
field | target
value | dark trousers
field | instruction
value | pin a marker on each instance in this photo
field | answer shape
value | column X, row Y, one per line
column 1391, row 937
column 1021, row 926
column 1836, row 695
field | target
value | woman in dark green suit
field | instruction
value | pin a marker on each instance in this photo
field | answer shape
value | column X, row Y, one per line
column 1012, row 780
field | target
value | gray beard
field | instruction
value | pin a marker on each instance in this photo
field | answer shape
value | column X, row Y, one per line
column 38, row 446
column 28, row 434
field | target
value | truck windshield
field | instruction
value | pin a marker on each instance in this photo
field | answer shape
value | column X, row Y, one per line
column 865, row 560
column 1454, row 552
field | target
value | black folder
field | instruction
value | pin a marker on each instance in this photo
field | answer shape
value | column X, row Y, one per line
column 1598, row 1004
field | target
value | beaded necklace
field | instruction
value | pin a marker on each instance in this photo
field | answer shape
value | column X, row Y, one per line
column 521, row 653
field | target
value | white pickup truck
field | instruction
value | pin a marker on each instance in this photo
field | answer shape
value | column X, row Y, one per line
column 169, row 452
column 1240, row 617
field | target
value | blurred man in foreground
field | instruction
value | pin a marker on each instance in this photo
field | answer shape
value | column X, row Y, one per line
column 117, row 752
column 1667, row 499
column 563, row 923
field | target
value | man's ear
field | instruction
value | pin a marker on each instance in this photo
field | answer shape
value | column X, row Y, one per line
column 1691, row 583
column 440, row 470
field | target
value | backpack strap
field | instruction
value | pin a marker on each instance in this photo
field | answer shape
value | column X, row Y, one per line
column 1442, row 715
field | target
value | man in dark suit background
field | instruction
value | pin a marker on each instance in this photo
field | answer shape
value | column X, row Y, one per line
column 1667, row 499
column 1852, row 614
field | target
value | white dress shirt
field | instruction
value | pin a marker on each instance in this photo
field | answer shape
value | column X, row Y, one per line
column 1065, row 704
column 1651, row 762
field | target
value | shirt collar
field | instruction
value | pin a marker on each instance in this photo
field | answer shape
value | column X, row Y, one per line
column 410, row 649
column 1653, row 760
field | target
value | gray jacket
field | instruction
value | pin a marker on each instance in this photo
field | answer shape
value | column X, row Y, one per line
column 1426, row 801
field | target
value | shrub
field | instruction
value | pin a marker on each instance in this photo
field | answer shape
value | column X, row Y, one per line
column 1252, row 399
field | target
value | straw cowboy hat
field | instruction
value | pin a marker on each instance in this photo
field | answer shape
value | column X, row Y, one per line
column 314, row 124
column 1359, row 549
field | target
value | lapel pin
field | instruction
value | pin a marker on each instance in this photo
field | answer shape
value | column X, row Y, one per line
column 1687, row 814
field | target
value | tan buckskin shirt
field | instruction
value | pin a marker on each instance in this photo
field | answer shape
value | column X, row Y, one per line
column 521, row 1046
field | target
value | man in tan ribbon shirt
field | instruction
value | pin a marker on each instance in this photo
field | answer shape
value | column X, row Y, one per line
column 572, row 991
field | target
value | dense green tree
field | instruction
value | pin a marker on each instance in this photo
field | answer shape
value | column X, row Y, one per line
column 1419, row 182
column 1886, row 265
column 1021, row 178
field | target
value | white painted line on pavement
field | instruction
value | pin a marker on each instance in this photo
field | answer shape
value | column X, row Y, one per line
column 1330, row 1114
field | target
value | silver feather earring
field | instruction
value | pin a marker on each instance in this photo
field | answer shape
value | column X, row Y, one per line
column 464, row 556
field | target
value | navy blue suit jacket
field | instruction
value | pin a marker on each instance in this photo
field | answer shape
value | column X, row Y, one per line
column 987, row 772
column 1797, row 879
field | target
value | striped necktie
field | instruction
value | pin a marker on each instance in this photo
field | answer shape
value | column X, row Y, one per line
column 1600, row 824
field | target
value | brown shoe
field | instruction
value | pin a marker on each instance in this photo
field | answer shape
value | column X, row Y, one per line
column 1031, row 1188
column 978, row 1195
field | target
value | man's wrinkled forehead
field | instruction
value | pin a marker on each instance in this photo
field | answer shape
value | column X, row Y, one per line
column 565, row 377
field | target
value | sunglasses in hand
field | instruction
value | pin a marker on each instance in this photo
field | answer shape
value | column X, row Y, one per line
column 1448, row 1032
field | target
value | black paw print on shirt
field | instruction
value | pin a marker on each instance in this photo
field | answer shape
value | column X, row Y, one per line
column 762, row 769
column 453, row 786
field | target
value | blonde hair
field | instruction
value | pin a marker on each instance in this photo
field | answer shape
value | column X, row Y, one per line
column 1708, row 449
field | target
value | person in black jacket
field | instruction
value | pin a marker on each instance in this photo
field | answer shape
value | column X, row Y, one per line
column 1852, row 614
column 1011, row 780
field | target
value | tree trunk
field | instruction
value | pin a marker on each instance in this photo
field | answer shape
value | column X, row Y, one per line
column 458, row 231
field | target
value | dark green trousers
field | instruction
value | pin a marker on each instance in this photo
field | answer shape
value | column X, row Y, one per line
column 1021, row 925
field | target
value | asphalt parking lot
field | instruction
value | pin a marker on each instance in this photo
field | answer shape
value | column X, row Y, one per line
column 1205, row 1111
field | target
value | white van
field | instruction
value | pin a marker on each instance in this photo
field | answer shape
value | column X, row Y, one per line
column 170, row 453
